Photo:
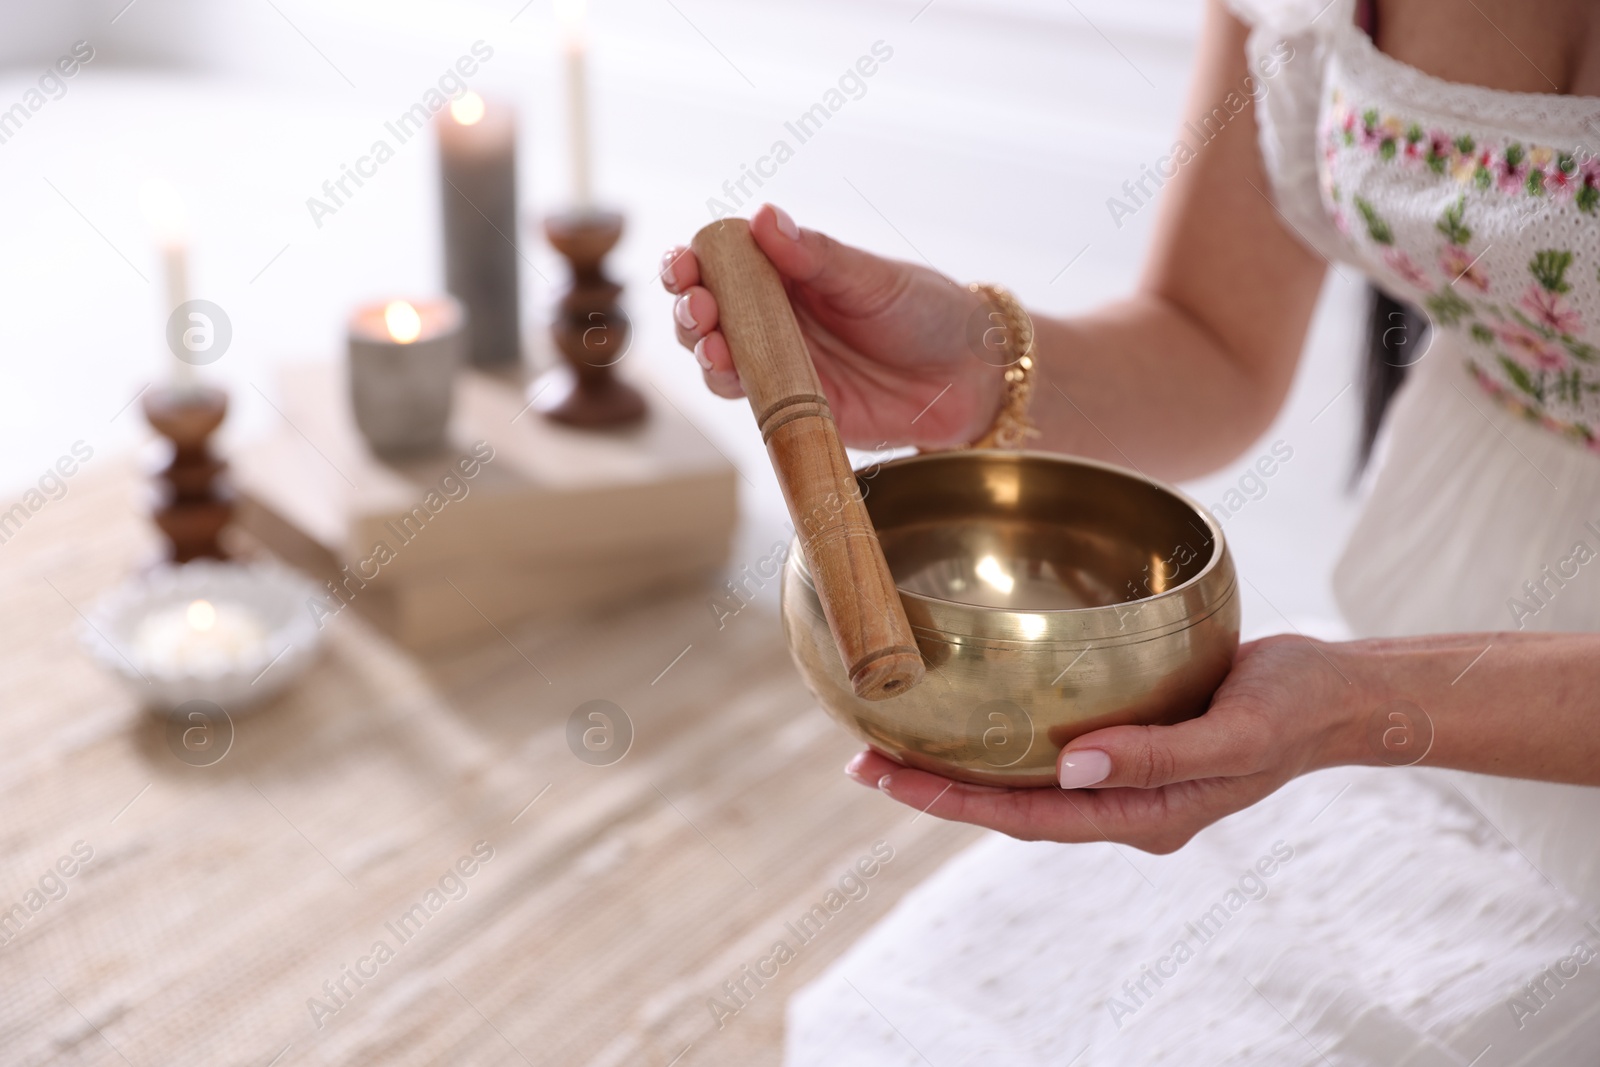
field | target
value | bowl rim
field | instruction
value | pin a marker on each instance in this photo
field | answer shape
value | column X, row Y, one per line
column 1220, row 556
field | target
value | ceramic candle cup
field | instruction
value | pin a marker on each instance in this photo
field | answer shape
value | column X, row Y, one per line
column 403, row 362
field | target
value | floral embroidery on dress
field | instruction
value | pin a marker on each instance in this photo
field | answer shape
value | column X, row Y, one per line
column 1506, row 165
column 1535, row 342
column 1527, row 335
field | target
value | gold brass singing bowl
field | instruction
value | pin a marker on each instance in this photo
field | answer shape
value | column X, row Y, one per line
column 1050, row 596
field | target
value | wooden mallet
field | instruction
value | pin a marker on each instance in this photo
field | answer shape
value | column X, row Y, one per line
column 863, row 608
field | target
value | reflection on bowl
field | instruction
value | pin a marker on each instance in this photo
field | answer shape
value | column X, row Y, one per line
column 1050, row 596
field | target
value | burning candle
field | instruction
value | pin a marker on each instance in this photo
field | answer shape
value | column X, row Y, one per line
column 199, row 637
column 163, row 210
column 403, row 322
column 570, row 13
column 403, row 360
column 478, row 191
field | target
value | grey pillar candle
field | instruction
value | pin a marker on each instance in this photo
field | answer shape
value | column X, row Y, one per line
column 478, row 197
column 403, row 362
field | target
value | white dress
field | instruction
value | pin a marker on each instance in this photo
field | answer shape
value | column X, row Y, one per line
column 1358, row 916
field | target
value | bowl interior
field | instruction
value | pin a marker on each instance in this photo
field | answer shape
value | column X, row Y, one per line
column 1032, row 532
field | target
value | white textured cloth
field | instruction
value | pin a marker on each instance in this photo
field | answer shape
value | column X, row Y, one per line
column 1422, row 917
column 1400, row 930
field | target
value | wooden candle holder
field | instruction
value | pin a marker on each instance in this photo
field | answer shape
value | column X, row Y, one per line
column 193, row 504
column 591, row 329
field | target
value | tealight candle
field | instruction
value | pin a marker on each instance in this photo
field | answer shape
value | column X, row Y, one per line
column 478, row 197
column 199, row 637
column 231, row 634
column 403, row 360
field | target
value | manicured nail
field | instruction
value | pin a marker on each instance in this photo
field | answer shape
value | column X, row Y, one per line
column 853, row 768
column 1084, row 767
column 669, row 277
column 682, row 313
column 786, row 224
column 704, row 360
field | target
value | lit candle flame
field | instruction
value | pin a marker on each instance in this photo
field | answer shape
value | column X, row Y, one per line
column 163, row 210
column 201, row 615
column 570, row 14
column 467, row 109
column 404, row 324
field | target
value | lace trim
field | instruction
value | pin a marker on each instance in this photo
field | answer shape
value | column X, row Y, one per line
column 1553, row 117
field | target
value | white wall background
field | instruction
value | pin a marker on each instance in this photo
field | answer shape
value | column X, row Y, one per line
column 987, row 146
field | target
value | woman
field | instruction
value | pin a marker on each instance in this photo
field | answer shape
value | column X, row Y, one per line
column 1427, row 916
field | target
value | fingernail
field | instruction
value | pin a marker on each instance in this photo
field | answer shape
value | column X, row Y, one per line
column 669, row 276
column 853, row 768
column 786, row 224
column 1084, row 767
column 886, row 782
column 701, row 358
column 682, row 313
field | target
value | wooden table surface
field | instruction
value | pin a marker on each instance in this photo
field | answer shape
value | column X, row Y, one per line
column 218, row 900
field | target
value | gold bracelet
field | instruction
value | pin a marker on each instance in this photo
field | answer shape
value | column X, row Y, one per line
column 1011, row 427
